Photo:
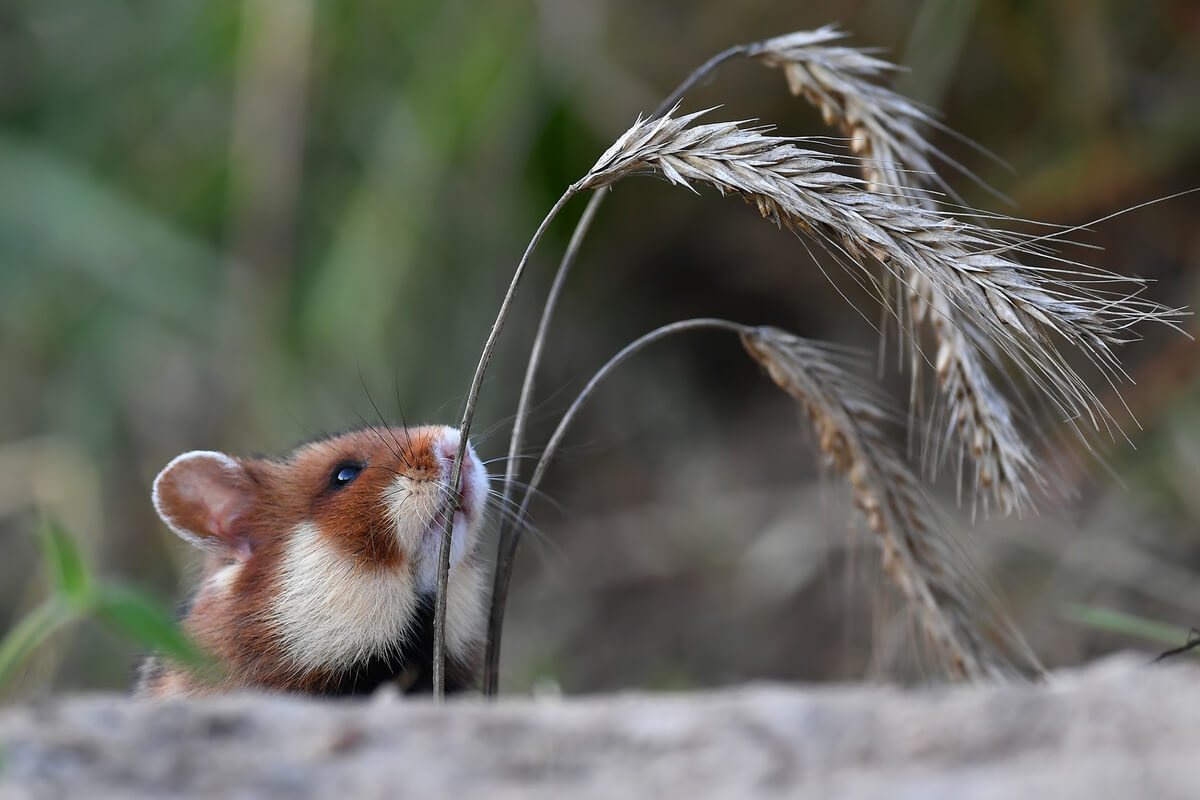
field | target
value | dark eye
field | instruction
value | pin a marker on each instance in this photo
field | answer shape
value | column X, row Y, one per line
column 344, row 473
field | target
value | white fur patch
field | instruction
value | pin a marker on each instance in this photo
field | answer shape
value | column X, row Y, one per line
column 333, row 611
column 465, row 611
column 428, row 554
column 222, row 580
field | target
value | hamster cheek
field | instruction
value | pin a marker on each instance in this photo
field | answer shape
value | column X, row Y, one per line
column 409, row 510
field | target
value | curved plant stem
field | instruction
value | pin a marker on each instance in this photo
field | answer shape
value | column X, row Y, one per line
column 439, row 617
column 492, row 661
column 506, row 557
column 539, row 342
column 491, row 671
column 581, row 230
column 698, row 75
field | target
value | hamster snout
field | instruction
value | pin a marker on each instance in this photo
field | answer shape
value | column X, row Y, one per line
column 472, row 491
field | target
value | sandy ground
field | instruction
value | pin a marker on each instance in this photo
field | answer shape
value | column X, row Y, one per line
column 1115, row 729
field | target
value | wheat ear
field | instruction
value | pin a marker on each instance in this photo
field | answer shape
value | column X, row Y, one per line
column 1018, row 309
column 885, row 129
column 849, row 419
column 882, row 125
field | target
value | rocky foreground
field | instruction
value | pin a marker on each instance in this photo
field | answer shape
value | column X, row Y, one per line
column 1116, row 729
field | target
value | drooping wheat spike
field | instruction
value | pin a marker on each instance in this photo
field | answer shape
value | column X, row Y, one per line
column 880, row 124
column 1021, row 311
column 885, row 129
column 849, row 419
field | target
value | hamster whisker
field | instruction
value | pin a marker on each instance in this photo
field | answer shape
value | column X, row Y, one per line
column 506, row 459
column 383, row 422
column 531, row 492
column 543, row 545
column 510, row 514
column 391, row 446
column 403, row 421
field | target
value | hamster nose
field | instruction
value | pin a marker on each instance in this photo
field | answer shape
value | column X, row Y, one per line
column 449, row 449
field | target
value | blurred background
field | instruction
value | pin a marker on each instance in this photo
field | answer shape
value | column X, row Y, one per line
column 236, row 225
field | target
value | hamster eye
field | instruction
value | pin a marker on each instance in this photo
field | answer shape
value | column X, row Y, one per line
column 344, row 473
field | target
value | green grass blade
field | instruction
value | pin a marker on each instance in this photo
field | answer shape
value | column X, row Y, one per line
column 1106, row 619
column 29, row 634
column 144, row 620
column 68, row 573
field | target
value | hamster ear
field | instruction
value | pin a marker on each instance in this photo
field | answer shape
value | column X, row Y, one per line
column 206, row 498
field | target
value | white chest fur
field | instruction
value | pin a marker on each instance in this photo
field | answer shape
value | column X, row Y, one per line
column 332, row 611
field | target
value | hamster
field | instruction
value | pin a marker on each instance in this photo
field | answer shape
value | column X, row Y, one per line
column 320, row 568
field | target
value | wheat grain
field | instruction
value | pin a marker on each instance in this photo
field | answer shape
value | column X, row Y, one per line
column 849, row 420
column 997, row 301
column 881, row 124
column 885, row 129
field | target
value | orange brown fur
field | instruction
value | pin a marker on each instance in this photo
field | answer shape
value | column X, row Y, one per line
column 276, row 530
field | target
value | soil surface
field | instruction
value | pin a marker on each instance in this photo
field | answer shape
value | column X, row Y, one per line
column 1116, row 729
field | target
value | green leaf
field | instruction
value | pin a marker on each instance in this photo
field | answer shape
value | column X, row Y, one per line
column 145, row 621
column 29, row 634
column 1119, row 622
column 67, row 570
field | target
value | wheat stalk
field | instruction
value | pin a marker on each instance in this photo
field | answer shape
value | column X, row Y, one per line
column 1017, row 308
column 849, row 419
column 485, row 357
column 885, row 129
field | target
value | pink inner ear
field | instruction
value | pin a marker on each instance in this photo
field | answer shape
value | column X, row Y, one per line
column 206, row 497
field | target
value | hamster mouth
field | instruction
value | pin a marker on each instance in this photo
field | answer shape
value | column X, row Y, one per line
column 463, row 509
column 438, row 524
column 429, row 550
column 466, row 493
column 460, row 511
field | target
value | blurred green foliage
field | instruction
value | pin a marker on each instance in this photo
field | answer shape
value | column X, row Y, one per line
column 1107, row 619
column 224, row 224
column 74, row 596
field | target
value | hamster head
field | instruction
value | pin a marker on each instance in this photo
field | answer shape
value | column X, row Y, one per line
column 321, row 566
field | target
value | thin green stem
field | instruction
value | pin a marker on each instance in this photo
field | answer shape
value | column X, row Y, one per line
column 439, row 617
column 29, row 634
